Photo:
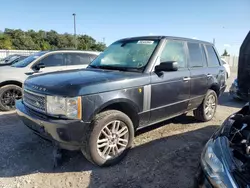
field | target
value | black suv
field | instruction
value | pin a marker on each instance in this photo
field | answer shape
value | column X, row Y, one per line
column 135, row 82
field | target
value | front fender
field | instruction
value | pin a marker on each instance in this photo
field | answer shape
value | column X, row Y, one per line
column 93, row 104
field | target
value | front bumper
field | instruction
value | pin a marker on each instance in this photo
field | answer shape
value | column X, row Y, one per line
column 67, row 134
column 203, row 181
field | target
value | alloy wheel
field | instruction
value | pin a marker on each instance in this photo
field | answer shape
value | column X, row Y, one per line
column 9, row 97
column 210, row 106
column 113, row 139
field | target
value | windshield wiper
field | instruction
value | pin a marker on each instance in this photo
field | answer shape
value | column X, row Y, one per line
column 94, row 66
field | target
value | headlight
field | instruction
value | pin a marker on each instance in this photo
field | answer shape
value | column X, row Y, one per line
column 213, row 162
column 226, row 125
column 213, row 166
column 69, row 107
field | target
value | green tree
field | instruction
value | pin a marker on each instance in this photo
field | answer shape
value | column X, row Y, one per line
column 44, row 45
column 46, row 40
column 98, row 47
column 5, row 42
column 225, row 53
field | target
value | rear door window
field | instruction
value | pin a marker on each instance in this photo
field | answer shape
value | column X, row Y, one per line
column 77, row 59
column 196, row 58
column 213, row 60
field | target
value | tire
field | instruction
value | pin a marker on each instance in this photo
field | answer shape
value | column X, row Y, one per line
column 200, row 113
column 11, row 101
column 90, row 149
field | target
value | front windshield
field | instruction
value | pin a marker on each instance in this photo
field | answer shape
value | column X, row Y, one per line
column 28, row 60
column 130, row 54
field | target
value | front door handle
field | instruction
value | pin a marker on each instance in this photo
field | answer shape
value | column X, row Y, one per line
column 185, row 79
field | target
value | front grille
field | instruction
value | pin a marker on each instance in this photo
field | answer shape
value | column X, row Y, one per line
column 35, row 101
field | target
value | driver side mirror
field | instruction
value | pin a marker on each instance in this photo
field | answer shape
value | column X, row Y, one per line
column 39, row 66
column 167, row 66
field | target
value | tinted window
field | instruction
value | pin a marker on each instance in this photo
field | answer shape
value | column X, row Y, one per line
column 212, row 57
column 53, row 60
column 174, row 51
column 29, row 59
column 195, row 55
column 204, row 55
column 77, row 59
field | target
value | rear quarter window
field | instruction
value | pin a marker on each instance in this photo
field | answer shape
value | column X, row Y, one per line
column 213, row 60
column 78, row 58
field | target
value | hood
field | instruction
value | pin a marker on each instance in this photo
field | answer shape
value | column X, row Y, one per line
column 8, row 73
column 84, row 82
column 244, row 66
column 7, row 69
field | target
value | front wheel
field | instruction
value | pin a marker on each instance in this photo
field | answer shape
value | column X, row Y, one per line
column 207, row 109
column 8, row 95
column 109, row 138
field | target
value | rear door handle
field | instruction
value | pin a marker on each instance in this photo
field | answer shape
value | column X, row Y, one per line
column 185, row 79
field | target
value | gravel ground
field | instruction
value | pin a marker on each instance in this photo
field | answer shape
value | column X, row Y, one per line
column 165, row 155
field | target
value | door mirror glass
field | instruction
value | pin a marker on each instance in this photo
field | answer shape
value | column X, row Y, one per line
column 167, row 66
column 39, row 66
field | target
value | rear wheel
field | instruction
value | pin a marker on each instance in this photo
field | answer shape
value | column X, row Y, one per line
column 8, row 95
column 207, row 109
column 109, row 138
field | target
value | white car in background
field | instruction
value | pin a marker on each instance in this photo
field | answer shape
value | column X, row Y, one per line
column 12, row 77
column 227, row 67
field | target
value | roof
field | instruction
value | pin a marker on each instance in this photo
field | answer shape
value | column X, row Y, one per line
column 158, row 37
column 72, row 50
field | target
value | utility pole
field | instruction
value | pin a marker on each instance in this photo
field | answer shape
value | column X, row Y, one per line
column 74, row 15
column 214, row 41
column 103, row 40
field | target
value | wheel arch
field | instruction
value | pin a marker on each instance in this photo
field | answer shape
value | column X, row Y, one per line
column 124, row 105
column 11, row 82
column 216, row 88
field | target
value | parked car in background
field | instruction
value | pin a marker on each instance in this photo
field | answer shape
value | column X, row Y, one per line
column 135, row 82
column 225, row 160
column 8, row 58
column 12, row 77
column 236, row 93
column 13, row 60
column 227, row 67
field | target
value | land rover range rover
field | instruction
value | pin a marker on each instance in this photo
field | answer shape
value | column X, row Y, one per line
column 135, row 82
